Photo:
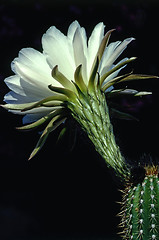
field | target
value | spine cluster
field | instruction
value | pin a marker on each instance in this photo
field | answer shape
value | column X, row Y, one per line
column 140, row 213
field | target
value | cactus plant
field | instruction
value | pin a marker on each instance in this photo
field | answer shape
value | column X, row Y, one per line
column 140, row 210
column 75, row 78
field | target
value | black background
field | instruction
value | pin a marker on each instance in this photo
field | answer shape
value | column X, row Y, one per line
column 62, row 194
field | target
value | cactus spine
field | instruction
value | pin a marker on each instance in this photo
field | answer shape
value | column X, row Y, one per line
column 140, row 211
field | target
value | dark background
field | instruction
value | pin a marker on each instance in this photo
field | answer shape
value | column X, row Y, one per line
column 62, row 194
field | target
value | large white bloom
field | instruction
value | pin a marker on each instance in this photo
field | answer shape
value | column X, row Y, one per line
column 33, row 69
column 70, row 77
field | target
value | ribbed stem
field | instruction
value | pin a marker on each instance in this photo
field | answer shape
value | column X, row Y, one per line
column 93, row 115
column 140, row 212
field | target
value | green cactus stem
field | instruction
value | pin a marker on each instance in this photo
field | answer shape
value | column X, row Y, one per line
column 140, row 210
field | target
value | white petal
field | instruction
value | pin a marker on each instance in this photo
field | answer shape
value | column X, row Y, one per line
column 78, row 38
column 34, row 73
column 105, row 61
column 119, row 49
column 29, row 118
column 58, row 49
column 13, row 82
column 109, row 89
column 114, row 74
column 112, row 52
column 80, row 50
column 72, row 29
column 32, row 79
column 94, row 43
column 14, row 98
column 31, row 60
column 35, row 114
column 22, row 90
column 11, row 97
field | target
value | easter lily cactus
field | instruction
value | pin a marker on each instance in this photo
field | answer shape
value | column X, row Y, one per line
column 78, row 77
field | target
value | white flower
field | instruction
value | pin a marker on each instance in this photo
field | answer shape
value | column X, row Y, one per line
column 33, row 69
column 69, row 77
